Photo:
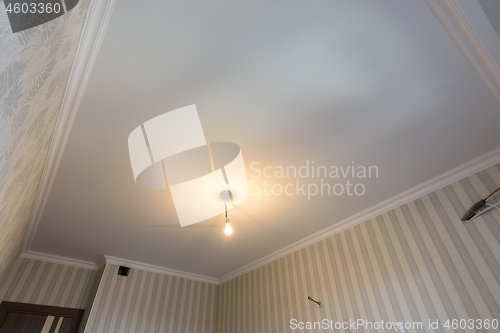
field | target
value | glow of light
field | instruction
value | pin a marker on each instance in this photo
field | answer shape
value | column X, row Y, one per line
column 228, row 229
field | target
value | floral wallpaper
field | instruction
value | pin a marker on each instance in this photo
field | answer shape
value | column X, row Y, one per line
column 34, row 70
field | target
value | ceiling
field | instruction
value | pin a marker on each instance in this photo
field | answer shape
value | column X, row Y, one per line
column 380, row 83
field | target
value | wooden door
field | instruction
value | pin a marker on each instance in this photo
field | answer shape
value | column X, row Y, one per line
column 31, row 318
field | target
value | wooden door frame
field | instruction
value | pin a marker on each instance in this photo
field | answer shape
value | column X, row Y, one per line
column 76, row 314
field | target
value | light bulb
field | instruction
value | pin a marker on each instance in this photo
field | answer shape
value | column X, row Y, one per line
column 228, row 229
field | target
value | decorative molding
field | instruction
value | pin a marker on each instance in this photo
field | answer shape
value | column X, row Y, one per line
column 158, row 269
column 105, row 259
column 462, row 171
column 94, row 27
column 59, row 260
column 454, row 20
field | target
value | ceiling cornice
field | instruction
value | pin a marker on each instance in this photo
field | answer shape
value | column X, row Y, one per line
column 158, row 269
column 55, row 259
column 460, row 29
column 106, row 259
column 94, row 27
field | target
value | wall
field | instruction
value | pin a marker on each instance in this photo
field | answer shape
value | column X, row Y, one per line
column 151, row 302
column 91, row 299
column 412, row 264
column 34, row 69
column 40, row 282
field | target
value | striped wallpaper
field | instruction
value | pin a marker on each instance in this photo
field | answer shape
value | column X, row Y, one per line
column 152, row 302
column 412, row 264
column 43, row 283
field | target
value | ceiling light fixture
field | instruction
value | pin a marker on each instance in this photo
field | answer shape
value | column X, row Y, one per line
column 228, row 231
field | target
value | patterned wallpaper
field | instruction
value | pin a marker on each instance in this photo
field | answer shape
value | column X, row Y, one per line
column 152, row 302
column 34, row 69
column 40, row 282
column 412, row 264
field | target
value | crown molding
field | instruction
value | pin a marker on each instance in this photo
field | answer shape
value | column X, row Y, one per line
column 158, row 269
column 462, row 171
column 94, row 27
column 106, row 259
column 55, row 259
column 460, row 29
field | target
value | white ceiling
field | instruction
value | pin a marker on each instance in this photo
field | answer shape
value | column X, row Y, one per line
column 376, row 82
